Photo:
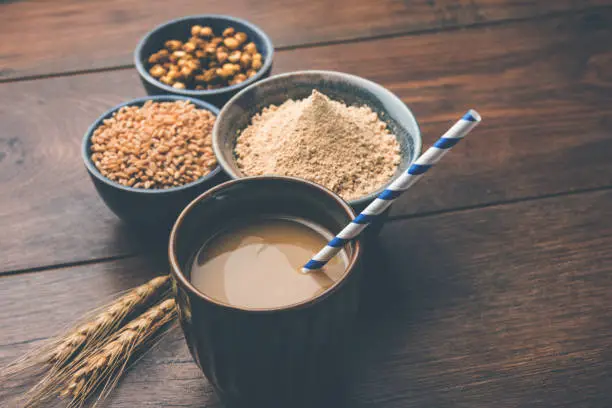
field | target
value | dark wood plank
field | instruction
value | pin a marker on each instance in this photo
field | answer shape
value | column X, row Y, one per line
column 71, row 35
column 544, row 96
column 42, row 303
column 543, row 89
column 504, row 306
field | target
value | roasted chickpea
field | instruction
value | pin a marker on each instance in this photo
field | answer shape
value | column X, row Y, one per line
column 206, row 32
column 216, row 41
column 231, row 43
column 240, row 78
column 251, row 48
column 194, row 64
column 196, row 30
column 224, row 72
column 241, row 37
column 166, row 80
column 158, row 58
column 209, row 75
column 256, row 64
column 189, row 47
column 210, row 49
column 235, row 56
column 173, row 45
column 157, row 71
column 186, row 72
column 245, row 60
column 179, row 54
column 222, row 56
column 173, row 73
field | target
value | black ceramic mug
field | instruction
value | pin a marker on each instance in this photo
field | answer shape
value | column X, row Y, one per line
column 276, row 357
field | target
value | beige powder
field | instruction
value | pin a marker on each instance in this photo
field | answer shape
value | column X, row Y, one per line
column 347, row 149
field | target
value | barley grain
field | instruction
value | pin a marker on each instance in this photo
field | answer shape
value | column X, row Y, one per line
column 139, row 142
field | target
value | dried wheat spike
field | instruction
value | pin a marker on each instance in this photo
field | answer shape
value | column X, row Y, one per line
column 108, row 320
column 106, row 365
column 58, row 357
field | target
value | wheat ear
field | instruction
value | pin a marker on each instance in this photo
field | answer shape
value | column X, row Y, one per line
column 103, row 367
column 109, row 319
column 66, row 349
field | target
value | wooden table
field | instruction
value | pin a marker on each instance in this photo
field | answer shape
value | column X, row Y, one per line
column 497, row 289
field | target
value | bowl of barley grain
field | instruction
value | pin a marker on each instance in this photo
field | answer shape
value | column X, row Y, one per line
column 151, row 156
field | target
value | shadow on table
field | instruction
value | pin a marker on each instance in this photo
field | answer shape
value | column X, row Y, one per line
column 149, row 243
column 401, row 280
column 402, row 283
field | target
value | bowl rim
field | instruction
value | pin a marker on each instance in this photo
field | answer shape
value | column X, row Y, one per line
column 177, row 272
column 267, row 64
column 354, row 79
column 93, row 170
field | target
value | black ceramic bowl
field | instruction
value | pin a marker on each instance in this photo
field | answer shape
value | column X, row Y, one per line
column 350, row 89
column 147, row 207
column 291, row 356
column 179, row 29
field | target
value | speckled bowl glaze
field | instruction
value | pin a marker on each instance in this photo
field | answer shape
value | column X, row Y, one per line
column 179, row 29
column 352, row 90
column 156, row 209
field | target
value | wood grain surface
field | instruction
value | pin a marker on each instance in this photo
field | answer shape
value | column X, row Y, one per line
column 491, row 284
column 503, row 306
column 545, row 97
column 43, row 37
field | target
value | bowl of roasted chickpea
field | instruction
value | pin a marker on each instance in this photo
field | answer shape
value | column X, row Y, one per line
column 207, row 57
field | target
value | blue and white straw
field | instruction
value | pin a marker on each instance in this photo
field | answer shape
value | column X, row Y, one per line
column 452, row 136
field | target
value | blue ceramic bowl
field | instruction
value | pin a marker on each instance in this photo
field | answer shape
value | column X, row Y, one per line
column 179, row 29
column 147, row 207
column 350, row 89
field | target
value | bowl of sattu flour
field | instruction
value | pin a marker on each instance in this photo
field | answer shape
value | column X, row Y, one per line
column 341, row 131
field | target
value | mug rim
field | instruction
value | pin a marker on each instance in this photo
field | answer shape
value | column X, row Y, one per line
column 179, row 275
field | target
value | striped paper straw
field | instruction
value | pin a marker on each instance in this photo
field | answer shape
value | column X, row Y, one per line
column 452, row 136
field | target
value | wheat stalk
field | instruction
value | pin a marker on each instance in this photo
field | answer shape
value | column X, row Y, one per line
column 108, row 320
column 61, row 353
column 106, row 365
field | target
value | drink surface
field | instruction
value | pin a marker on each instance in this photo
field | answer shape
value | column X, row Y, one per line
column 258, row 264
